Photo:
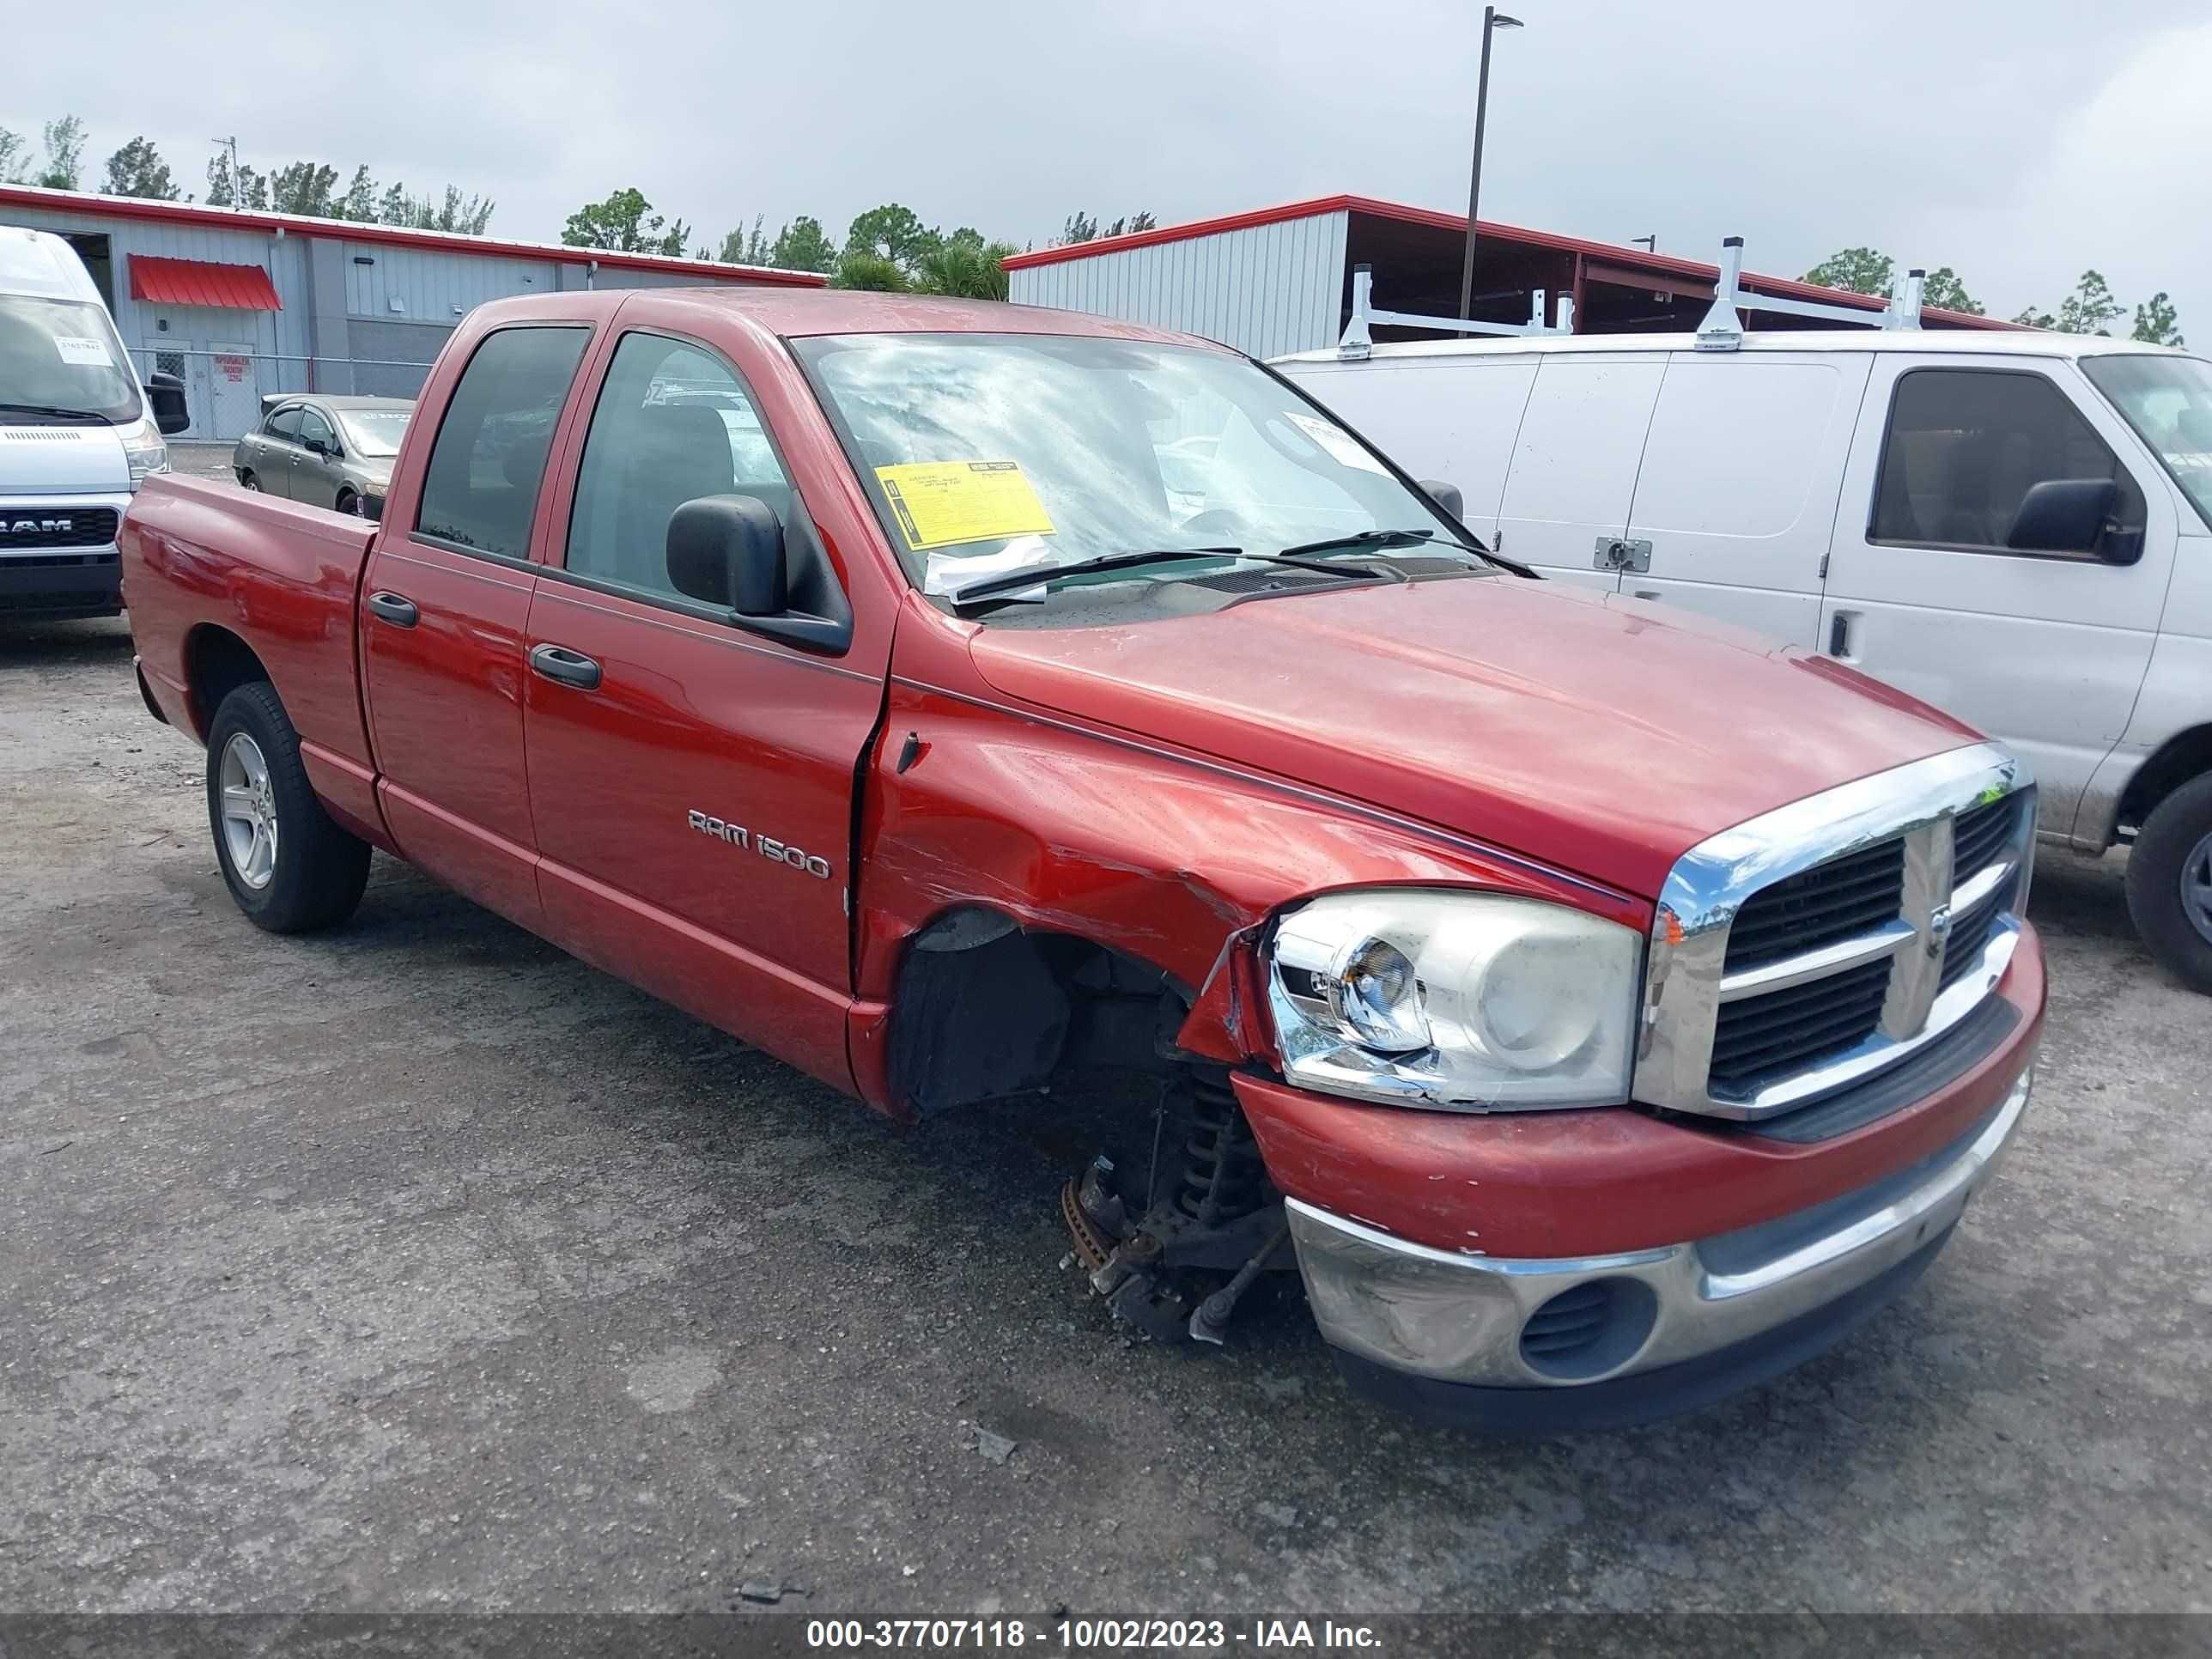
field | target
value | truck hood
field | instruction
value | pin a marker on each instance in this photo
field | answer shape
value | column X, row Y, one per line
column 1601, row 735
column 61, row 461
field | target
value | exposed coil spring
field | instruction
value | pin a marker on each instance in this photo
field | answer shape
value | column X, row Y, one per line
column 1221, row 1177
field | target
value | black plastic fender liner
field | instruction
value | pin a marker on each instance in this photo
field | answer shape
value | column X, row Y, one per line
column 975, row 1023
column 146, row 692
column 1642, row 1397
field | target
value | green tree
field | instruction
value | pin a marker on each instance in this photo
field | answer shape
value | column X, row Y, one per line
column 65, row 165
column 801, row 245
column 891, row 232
column 1082, row 227
column 14, row 156
column 1856, row 271
column 859, row 268
column 2089, row 309
column 303, row 187
column 467, row 215
column 744, row 247
column 359, row 203
column 239, row 187
column 138, row 169
column 2156, row 323
column 966, row 267
column 1942, row 288
column 625, row 223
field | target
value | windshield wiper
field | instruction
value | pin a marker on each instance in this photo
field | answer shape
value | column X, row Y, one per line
column 1036, row 575
column 1407, row 538
column 57, row 410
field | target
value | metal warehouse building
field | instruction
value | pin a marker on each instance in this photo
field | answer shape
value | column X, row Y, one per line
column 242, row 303
column 1279, row 279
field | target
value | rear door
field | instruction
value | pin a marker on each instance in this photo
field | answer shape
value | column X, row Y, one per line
column 691, row 782
column 278, row 443
column 2045, row 651
column 1572, row 479
column 1737, row 491
column 446, row 600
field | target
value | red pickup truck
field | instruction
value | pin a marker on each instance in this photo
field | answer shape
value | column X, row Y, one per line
column 1600, row 1009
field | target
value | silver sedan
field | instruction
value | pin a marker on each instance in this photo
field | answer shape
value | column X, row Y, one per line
column 331, row 452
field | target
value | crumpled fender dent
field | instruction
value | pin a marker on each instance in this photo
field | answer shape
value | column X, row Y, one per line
column 1166, row 857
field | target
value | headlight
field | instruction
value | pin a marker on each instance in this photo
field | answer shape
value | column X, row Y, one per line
column 1471, row 1001
column 143, row 449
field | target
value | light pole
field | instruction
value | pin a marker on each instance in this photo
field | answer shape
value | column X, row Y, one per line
column 1492, row 20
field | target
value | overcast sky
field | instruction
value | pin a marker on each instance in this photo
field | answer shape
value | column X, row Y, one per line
column 2016, row 141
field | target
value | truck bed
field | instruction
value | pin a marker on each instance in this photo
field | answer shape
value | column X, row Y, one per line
column 208, row 567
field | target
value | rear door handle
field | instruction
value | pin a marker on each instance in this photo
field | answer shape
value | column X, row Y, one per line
column 1840, row 634
column 392, row 608
column 558, row 662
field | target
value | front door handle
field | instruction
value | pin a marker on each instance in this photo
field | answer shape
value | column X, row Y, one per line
column 557, row 662
column 1840, row 634
column 399, row 612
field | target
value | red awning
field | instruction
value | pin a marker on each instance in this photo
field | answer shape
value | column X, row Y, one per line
column 201, row 282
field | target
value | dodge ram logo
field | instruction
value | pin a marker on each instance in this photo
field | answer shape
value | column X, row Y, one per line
column 37, row 527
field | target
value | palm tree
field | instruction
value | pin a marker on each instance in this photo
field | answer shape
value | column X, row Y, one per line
column 964, row 270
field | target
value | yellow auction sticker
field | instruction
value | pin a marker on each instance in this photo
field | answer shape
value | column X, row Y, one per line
column 939, row 504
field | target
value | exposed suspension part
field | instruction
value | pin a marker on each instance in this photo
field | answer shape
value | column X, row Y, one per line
column 1156, row 1240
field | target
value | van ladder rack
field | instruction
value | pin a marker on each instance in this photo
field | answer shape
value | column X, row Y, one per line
column 1722, row 328
column 1358, row 339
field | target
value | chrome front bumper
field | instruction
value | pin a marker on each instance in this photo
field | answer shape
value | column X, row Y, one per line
column 1484, row 1323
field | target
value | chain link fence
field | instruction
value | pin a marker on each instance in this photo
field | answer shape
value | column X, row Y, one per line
column 224, row 388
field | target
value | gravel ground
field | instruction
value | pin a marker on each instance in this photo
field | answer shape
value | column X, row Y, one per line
column 417, row 1266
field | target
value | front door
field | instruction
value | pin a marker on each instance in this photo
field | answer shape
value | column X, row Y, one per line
column 2043, row 651
column 314, row 473
column 691, row 782
column 444, row 604
column 237, row 393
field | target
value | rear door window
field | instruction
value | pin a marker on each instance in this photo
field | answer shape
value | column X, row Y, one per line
column 285, row 424
column 480, row 489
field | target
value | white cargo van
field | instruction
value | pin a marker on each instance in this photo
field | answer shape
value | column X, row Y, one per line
column 2016, row 527
column 76, row 434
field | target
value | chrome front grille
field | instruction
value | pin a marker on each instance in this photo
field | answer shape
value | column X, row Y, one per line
column 1812, row 947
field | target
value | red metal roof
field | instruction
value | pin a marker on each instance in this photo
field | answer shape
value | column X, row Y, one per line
column 204, row 217
column 201, row 282
column 1634, row 258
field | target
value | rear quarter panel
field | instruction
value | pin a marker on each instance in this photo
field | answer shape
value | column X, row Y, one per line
column 199, row 556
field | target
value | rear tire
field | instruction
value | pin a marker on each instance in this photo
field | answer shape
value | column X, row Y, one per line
column 2169, row 884
column 290, row 868
column 248, row 481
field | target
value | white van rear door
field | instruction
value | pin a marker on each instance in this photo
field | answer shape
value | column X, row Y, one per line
column 2044, row 651
column 1450, row 419
column 1573, row 475
column 1737, row 493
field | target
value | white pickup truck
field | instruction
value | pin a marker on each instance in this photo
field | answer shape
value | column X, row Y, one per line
column 2016, row 527
column 76, row 434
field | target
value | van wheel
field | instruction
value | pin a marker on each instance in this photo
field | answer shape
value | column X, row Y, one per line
column 290, row 868
column 2169, row 884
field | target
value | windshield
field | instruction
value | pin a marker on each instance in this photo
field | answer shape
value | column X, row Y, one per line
column 2169, row 401
column 62, row 354
column 373, row 432
column 991, row 452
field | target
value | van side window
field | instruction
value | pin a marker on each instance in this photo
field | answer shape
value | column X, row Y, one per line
column 1966, row 444
column 673, row 422
column 480, row 487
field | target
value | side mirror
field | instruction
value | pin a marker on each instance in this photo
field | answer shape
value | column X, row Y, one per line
column 728, row 550
column 1446, row 496
column 2064, row 515
column 165, row 395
